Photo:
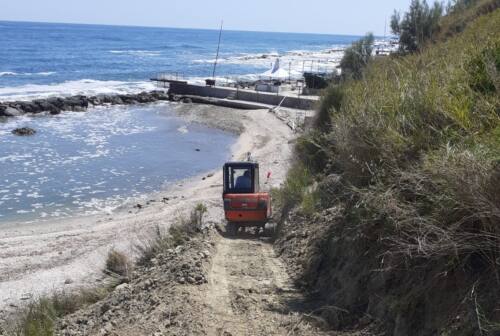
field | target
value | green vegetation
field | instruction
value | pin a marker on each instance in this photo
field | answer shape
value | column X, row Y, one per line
column 356, row 57
column 463, row 12
column 293, row 191
column 39, row 317
column 423, row 24
column 418, row 25
column 415, row 151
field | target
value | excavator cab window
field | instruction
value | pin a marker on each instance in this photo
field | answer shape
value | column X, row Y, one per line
column 241, row 178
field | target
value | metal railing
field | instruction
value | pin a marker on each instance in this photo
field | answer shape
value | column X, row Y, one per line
column 166, row 76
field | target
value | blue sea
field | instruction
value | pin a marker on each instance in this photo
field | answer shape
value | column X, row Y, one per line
column 92, row 162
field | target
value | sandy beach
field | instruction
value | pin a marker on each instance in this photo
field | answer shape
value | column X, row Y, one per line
column 36, row 259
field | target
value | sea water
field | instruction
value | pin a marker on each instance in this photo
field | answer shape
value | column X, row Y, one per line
column 94, row 162
column 41, row 59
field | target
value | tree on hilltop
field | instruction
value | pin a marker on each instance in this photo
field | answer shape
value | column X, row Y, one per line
column 417, row 25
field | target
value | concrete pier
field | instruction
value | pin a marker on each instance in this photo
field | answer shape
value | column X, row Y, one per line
column 237, row 96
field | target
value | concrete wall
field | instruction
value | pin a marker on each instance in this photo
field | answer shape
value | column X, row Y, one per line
column 251, row 96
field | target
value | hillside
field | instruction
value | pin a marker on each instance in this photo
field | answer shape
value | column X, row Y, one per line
column 391, row 213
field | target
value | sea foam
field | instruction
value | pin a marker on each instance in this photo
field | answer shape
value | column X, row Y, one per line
column 69, row 88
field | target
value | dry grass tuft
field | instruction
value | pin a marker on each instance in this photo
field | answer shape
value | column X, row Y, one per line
column 118, row 265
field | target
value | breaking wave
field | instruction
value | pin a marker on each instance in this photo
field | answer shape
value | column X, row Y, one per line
column 11, row 73
column 69, row 88
column 142, row 53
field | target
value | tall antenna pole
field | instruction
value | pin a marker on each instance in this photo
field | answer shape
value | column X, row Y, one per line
column 385, row 29
column 218, row 48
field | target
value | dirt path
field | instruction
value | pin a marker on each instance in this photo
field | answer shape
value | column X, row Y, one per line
column 250, row 293
column 238, row 287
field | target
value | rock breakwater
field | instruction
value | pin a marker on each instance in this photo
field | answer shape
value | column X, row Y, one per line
column 56, row 105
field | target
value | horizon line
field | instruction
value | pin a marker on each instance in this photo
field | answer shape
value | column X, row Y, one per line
column 187, row 28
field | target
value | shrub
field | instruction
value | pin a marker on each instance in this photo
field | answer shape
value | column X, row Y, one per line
column 312, row 149
column 195, row 223
column 331, row 101
column 294, row 188
column 309, row 204
column 38, row 320
column 357, row 57
column 40, row 316
column 118, row 264
column 484, row 70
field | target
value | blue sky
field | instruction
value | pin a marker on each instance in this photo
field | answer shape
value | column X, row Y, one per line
column 315, row 16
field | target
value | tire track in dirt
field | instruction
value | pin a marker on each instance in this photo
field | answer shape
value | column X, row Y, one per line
column 250, row 292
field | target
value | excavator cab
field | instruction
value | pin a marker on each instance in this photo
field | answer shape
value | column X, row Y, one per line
column 244, row 204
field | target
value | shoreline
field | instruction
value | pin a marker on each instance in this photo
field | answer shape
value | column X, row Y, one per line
column 70, row 253
column 181, row 111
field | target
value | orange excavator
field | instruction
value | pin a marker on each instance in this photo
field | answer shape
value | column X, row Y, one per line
column 244, row 204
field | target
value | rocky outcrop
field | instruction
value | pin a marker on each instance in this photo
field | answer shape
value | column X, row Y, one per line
column 24, row 131
column 9, row 111
column 56, row 105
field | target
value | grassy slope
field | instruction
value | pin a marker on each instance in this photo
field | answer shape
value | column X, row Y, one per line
column 407, row 162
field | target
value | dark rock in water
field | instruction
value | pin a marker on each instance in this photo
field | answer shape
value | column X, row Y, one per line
column 27, row 107
column 95, row 100
column 58, row 102
column 76, row 103
column 103, row 99
column 45, row 106
column 160, row 95
column 99, row 99
column 115, row 100
column 126, row 99
column 24, row 131
column 10, row 111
